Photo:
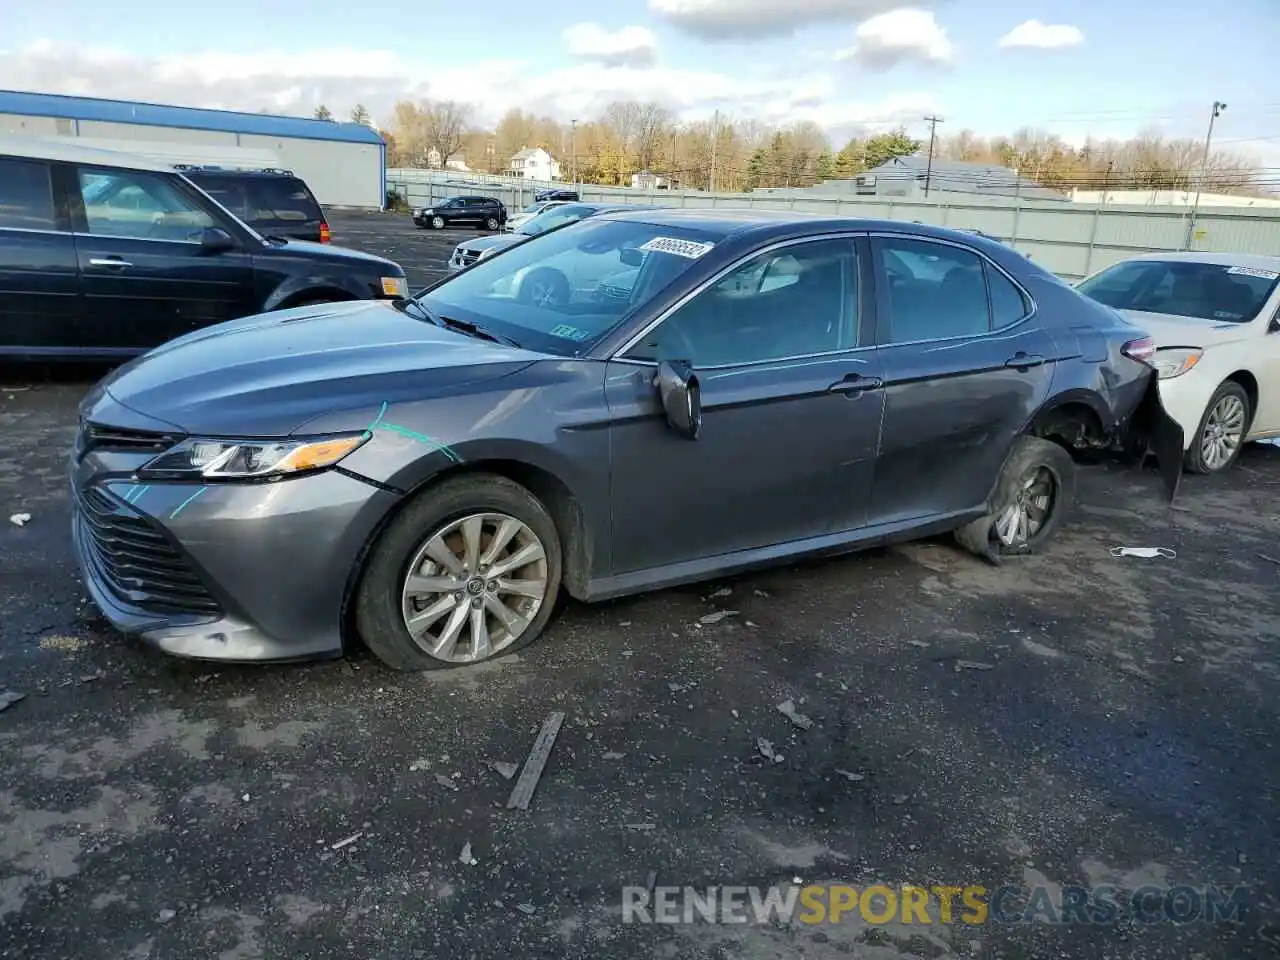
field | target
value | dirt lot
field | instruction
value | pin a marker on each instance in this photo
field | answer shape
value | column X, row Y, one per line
column 1072, row 719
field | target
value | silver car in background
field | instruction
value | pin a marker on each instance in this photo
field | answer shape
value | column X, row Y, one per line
column 552, row 216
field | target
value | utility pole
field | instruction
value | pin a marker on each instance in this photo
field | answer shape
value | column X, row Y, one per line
column 573, row 150
column 933, row 130
column 1218, row 107
column 715, row 142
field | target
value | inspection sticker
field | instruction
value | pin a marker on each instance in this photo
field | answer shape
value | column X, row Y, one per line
column 569, row 333
column 681, row 248
column 1254, row 272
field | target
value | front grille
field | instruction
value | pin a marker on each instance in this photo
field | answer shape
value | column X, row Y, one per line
column 97, row 436
column 136, row 560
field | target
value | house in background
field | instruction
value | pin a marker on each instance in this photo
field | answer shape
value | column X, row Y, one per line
column 454, row 163
column 648, row 180
column 535, row 164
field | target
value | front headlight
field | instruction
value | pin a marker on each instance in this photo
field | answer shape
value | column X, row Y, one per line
column 248, row 459
column 1175, row 361
column 395, row 287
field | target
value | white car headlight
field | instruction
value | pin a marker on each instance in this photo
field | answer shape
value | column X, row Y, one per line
column 248, row 459
column 1175, row 361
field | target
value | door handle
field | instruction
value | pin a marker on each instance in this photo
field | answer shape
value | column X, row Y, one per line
column 108, row 262
column 1024, row 361
column 856, row 383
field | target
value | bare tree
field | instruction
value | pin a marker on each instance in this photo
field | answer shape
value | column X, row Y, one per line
column 622, row 119
column 653, row 124
column 445, row 124
column 322, row 113
column 360, row 114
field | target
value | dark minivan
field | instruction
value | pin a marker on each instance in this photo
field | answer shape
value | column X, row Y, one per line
column 105, row 254
column 276, row 203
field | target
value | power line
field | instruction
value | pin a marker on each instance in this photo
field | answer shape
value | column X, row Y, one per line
column 933, row 130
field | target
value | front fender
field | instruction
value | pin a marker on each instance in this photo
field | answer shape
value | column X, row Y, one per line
column 319, row 287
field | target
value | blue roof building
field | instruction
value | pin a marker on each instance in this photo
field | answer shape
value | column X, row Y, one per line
column 343, row 163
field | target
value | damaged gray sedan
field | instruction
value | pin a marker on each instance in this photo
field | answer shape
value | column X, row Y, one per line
column 430, row 476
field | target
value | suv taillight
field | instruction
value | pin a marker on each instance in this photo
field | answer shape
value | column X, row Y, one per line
column 1142, row 350
column 325, row 233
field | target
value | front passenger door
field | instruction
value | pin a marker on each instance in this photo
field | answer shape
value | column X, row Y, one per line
column 965, row 367
column 144, row 275
column 791, row 413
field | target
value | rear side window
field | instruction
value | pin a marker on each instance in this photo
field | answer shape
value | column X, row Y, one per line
column 282, row 199
column 1008, row 305
column 26, row 196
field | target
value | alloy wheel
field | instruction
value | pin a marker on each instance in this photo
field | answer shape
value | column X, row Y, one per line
column 437, row 222
column 1223, row 432
column 473, row 587
column 1030, row 510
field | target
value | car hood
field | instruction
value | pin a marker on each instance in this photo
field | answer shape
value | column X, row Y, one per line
column 495, row 241
column 331, row 254
column 268, row 375
column 1170, row 330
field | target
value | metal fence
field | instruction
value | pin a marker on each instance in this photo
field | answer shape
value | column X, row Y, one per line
column 1071, row 239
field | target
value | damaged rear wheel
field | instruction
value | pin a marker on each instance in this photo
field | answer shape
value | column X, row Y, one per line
column 1036, row 488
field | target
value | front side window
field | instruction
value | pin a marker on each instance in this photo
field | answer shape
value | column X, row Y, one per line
column 794, row 301
column 1203, row 291
column 935, row 291
column 26, row 196
column 562, row 291
column 142, row 206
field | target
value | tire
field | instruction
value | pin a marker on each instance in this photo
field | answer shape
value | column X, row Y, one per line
column 1220, row 455
column 491, row 223
column 1035, row 469
column 384, row 605
column 545, row 285
column 437, row 223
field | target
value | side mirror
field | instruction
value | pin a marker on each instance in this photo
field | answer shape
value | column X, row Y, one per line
column 681, row 397
column 215, row 240
column 1275, row 323
column 631, row 257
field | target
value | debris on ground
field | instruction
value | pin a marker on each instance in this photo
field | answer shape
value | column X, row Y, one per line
column 422, row 763
column 446, row 781
column 900, row 799
column 766, row 750
column 1263, row 556
column 716, row 617
column 972, row 665
column 537, row 759
column 1144, row 553
column 503, row 769
column 465, row 856
column 674, row 687
column 760, row 593
column 165, row 915
column 722, row 592
column 918, row 643
column 526, row 908
column 347, row 842
column 9, row 697
column 788, row 710
column 640, row 826
column 614, row 755
column 18, row 519
column 851, row 777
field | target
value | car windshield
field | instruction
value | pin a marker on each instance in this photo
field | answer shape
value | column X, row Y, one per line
column 1204, row 291
column 555, row 216
column 550, row 293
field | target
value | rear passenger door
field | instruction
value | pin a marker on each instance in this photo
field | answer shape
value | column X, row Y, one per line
column 144, row 274
column 965, row 366
column 39, row 281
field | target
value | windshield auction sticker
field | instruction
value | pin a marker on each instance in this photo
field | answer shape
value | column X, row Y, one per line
column 681, row 248
column 1254, row 272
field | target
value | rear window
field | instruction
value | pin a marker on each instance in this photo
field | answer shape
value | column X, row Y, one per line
column 281, row 199
column 26, row 197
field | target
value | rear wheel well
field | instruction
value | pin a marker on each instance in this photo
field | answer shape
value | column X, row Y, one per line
column 1074, row 425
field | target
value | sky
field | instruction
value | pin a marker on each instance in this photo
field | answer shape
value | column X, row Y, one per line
column 1106, row 68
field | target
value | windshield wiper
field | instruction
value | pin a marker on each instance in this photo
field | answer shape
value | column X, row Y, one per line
column 474, row 330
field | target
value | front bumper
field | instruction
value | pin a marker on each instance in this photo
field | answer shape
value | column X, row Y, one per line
column 253, row 572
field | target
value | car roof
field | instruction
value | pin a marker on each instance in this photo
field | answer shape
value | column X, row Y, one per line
column 66, row 150
column 1259, row 261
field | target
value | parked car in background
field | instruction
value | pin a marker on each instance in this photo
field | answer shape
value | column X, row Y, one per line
column 103, row 254
column 1215, row 318
column 485, row 212
column 276, row 203
column 768, row 391
column 554, row 215
column 528, row 213
column 557, row 194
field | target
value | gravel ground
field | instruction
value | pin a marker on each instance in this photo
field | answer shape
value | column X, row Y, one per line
column 1066, row 720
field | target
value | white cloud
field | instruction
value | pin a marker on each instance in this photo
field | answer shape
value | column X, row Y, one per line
column 296, row 83
column 1033, row 33
column 630, row 46
column 742, row 19
column 897, row 37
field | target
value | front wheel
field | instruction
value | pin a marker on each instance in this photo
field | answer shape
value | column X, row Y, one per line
column 468, row 571
column 1220, row 436
column 1035, row 489
column 437, row 223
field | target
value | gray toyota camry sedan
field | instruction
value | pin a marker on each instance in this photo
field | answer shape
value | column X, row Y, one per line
column 429, row 475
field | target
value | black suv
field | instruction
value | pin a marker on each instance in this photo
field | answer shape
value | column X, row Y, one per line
column 107, row 255
column 483, row 212
column 276, row 203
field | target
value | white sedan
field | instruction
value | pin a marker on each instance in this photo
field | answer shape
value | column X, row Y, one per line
column 1215, row 318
